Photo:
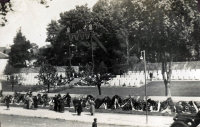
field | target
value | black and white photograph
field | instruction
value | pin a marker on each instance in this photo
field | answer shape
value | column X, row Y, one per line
column 99, row 63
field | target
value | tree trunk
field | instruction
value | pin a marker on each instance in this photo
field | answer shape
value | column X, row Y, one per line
column 167, row 88
column 127, row 50
column 166, row 73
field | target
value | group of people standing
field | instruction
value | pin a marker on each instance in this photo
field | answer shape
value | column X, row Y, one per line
column 58, row 103
column 29, row 100
column 79, row 104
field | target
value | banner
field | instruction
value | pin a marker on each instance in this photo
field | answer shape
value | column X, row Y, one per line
column 99, row 43
column 81, row 36
column 70, row 37
column 78, row 36
column 87, row 36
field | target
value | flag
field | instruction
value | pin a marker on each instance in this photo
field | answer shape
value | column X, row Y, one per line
column 100, row 44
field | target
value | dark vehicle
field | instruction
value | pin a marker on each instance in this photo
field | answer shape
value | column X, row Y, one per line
column 186, row 120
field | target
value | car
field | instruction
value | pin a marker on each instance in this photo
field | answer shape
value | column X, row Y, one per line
column 186, row 120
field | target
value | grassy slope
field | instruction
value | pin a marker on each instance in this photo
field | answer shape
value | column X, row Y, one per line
column 178, row 88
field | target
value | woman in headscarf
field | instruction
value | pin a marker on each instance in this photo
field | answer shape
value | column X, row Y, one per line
column 92, row 106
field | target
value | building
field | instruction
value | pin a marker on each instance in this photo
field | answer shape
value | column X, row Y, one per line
column 3, row 63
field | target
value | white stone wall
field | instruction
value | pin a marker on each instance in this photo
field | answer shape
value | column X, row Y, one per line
column 31, row 78
column 3, row 63
column 28, row 78
column 136, row 78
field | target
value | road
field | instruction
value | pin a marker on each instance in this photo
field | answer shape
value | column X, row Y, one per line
column 21, row 121
column 104, row 119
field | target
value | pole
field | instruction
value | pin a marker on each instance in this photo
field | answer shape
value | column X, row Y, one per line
column 92, row 53
column 70, row 56
column 145, row 86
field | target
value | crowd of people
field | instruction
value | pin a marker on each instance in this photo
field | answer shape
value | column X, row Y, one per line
column 58, row 103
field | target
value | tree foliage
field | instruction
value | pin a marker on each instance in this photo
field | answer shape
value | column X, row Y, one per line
column 47, row 75
column 104, row 42
column 5, row 7
column 163, row 29
column 167, row 30
column 19, row 51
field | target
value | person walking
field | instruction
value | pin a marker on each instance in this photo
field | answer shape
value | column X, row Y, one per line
column 94, row 124
column 79, row 108
column 7, row 101
column 92, row 106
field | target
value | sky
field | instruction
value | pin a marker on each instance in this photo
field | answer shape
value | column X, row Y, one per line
column 33, row 19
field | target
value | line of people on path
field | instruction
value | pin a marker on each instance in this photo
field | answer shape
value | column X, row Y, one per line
column 58, row 103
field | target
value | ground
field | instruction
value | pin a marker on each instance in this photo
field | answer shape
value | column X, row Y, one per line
column 155, row 88
column 104, row 119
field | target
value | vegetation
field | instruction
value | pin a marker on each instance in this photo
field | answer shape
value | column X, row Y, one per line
column 168, row 31
column 19, row 51
column 5, row 7
column 111, row 36
column 47, row 75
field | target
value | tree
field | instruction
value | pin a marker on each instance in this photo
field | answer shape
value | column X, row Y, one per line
column 19, row 51
column 83, row 40
column 47, row 75
column 75, row 19
column 163, row 29
column 5, row 6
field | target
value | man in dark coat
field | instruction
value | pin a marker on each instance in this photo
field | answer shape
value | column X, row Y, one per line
column 94, row 124
column 98, row 81
column 35, row 102
column 79, row 108
column 59, row 103
column 68, row 99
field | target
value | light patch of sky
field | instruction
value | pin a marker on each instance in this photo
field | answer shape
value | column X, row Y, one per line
column 33, row 19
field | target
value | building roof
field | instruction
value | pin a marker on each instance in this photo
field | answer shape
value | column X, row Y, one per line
column 5, row 50
column 3, row 55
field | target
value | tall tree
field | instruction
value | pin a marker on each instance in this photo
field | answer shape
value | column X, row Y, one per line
column 163, row 29
column 19, row 51
column 71, row 37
